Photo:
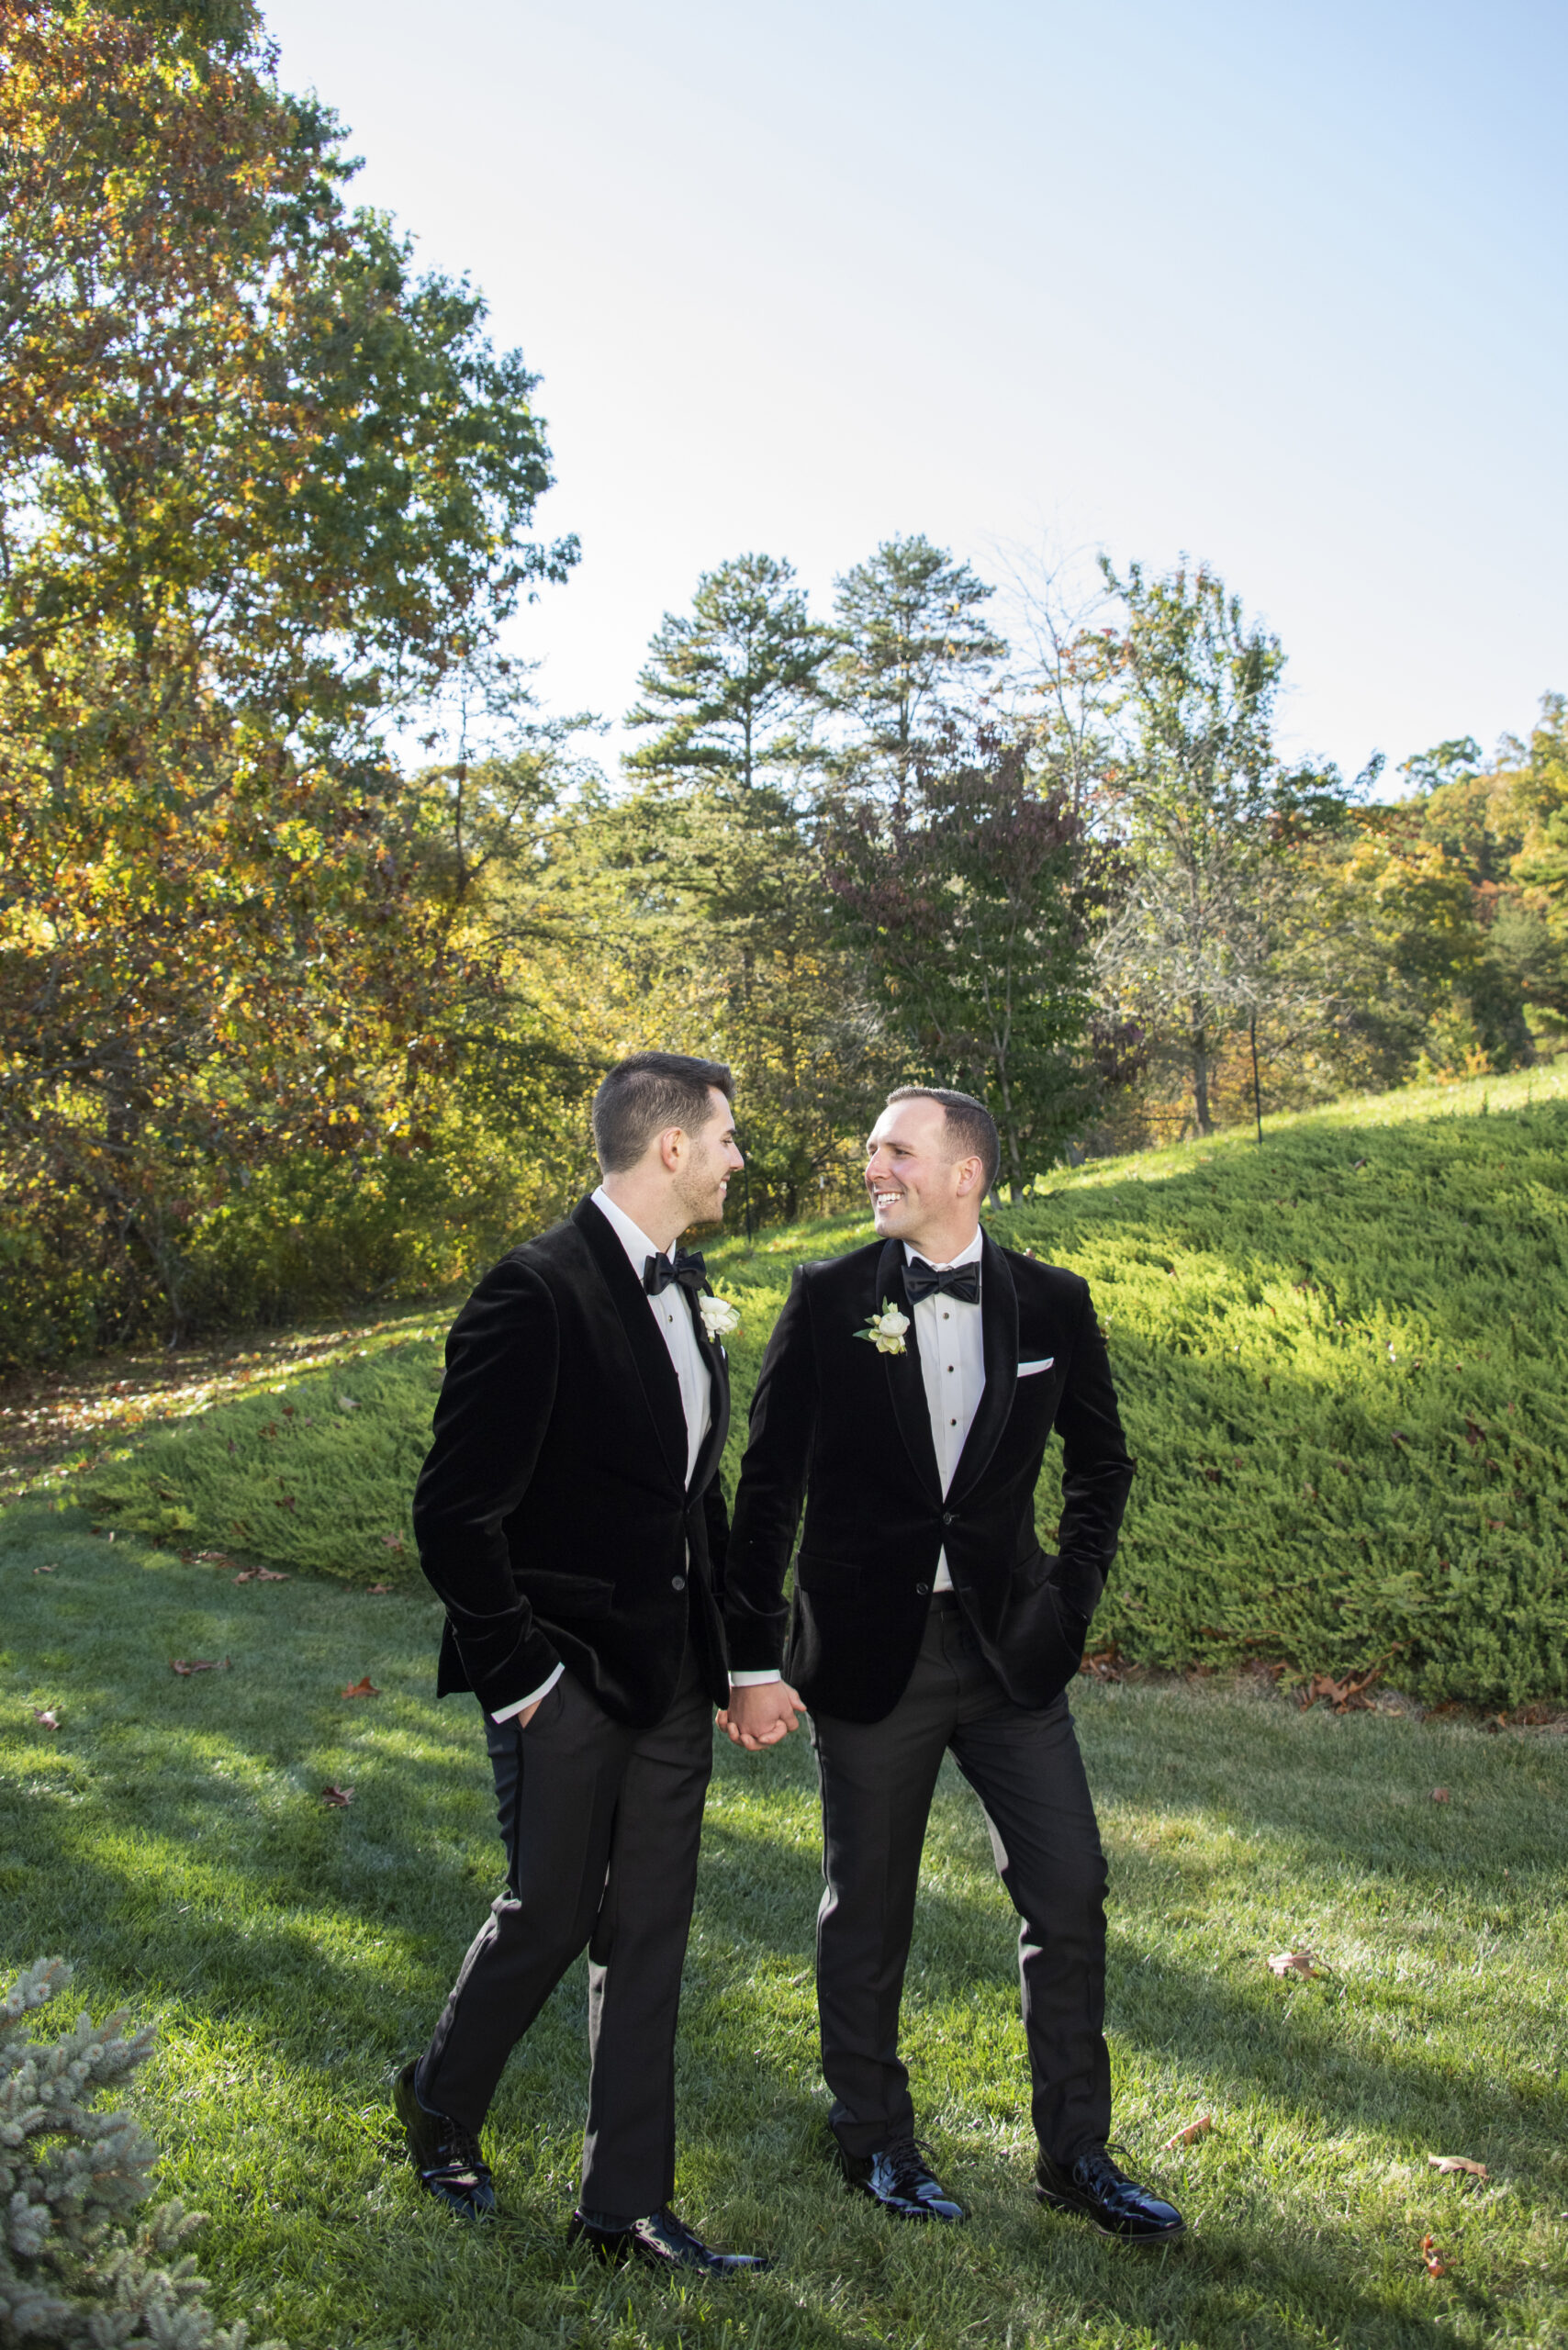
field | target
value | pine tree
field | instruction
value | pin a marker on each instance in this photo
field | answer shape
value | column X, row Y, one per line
column 74, row 2271
column 912, row 641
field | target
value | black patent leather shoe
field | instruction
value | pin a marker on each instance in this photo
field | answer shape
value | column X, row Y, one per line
column 445, row 2155
column 661, row 2240
column 899, row 2177
column 1108, row 2198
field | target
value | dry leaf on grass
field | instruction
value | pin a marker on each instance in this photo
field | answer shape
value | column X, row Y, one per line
column 337, row 1798
column 198, row 1664
column 1441, row 1794
column 1457, row 2161
column 391, row 1541
column 1436, row 2262
column 44, row 1570
column 45, row 1717
column 260, row 1575
column 365, row 1688
column 1194, row 2130
column 1294, row 1962
column 378, row 1586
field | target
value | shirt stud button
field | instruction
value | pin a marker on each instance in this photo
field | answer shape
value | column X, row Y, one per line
column 677, row 1583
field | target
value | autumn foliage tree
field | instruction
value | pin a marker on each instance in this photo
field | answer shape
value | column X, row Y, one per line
column 262, row 490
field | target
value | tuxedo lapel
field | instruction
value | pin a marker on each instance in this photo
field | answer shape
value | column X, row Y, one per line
column 656, row 1371
column 998, row 1345
column 906, row 1382
column 713, row 1443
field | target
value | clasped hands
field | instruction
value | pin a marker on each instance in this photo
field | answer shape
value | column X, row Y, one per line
column 761, row 1713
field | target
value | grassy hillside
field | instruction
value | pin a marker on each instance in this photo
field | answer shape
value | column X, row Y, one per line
column 1344, row 1365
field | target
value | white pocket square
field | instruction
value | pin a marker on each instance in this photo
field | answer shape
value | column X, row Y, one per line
column 1027, row 1370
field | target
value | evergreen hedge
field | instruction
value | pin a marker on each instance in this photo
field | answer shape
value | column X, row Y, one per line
column 1342, row 1363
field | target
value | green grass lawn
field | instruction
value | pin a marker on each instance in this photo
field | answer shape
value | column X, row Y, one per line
column 169, row 1838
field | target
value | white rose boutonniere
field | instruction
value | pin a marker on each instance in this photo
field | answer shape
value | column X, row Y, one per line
column 719, row 1319
column 886, row 1330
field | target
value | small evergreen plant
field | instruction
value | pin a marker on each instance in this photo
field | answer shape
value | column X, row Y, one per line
column 76, row 2270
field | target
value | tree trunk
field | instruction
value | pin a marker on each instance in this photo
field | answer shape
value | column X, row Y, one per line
column 1256, row 1088
column 1203, row 1115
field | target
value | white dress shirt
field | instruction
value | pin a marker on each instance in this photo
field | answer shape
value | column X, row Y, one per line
column 948, row 1336
column 672, row 1316
column 952, row 1364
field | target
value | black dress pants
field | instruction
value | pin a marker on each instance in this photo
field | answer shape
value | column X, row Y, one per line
column 876, row 1783
column 601, row 1824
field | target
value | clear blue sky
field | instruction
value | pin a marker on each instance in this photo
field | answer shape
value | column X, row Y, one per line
column 1281, row 286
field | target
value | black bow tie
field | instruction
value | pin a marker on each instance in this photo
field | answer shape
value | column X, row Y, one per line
column 689, row 1269
column 921, row 1279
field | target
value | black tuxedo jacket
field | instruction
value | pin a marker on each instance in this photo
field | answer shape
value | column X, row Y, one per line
column 553, row 1514
column 849, row 1429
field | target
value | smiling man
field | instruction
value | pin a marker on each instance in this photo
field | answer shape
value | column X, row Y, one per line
column 570, row 1518
column 906, row 1397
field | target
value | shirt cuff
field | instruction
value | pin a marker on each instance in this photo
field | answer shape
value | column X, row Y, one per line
column 752, row 1680
column 523, row 1703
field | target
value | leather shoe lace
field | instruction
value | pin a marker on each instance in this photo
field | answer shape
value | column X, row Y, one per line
column 1109, row 2200
column 899, row 2177
column 661, row 2240
column 444, row 2152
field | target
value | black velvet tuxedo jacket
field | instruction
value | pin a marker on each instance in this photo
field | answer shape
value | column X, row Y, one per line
column 553, row 1514
column 848, row 1429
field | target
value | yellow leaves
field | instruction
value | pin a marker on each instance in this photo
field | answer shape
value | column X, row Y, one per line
column 1300, row 1964
column 1461, row 2164
column 364, row 1688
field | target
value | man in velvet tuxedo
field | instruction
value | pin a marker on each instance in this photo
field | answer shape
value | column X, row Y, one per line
column 570, row 1517
column 907, row 1395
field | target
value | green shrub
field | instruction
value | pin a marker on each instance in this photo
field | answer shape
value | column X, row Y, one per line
column 72, row 2178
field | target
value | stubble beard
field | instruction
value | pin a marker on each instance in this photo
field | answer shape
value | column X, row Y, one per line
column 701, row 1195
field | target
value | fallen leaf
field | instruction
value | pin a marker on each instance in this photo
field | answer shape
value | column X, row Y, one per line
column 1436, row 2262
column 1194, row 2130
column 365, row 1688
column 199, row 1664
column 44, row 1570
column 285, row 1501
column 46, row 1717
column 347, row 1403
column 1457, row 2161
column 1441, row 1794
column 260, row 1575
column 337, row 1798
column 1294, row 1962
column 391, row 1541
column 378, row 1586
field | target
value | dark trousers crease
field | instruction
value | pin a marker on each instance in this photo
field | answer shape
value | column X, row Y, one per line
column 877, row 1781
column 601, row 1824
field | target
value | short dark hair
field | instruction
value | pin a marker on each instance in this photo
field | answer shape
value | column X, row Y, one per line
column 970, row 1122
column 644, row 1094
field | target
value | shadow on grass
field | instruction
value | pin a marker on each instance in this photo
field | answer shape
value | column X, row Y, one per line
column 169, row 1838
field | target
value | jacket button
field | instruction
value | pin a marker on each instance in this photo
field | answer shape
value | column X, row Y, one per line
column 677, row 1583
column 949, row 1516
column 921, row 1589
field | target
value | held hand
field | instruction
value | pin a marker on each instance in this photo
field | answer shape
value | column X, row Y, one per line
column 760, row 1715
column 527, row 1714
